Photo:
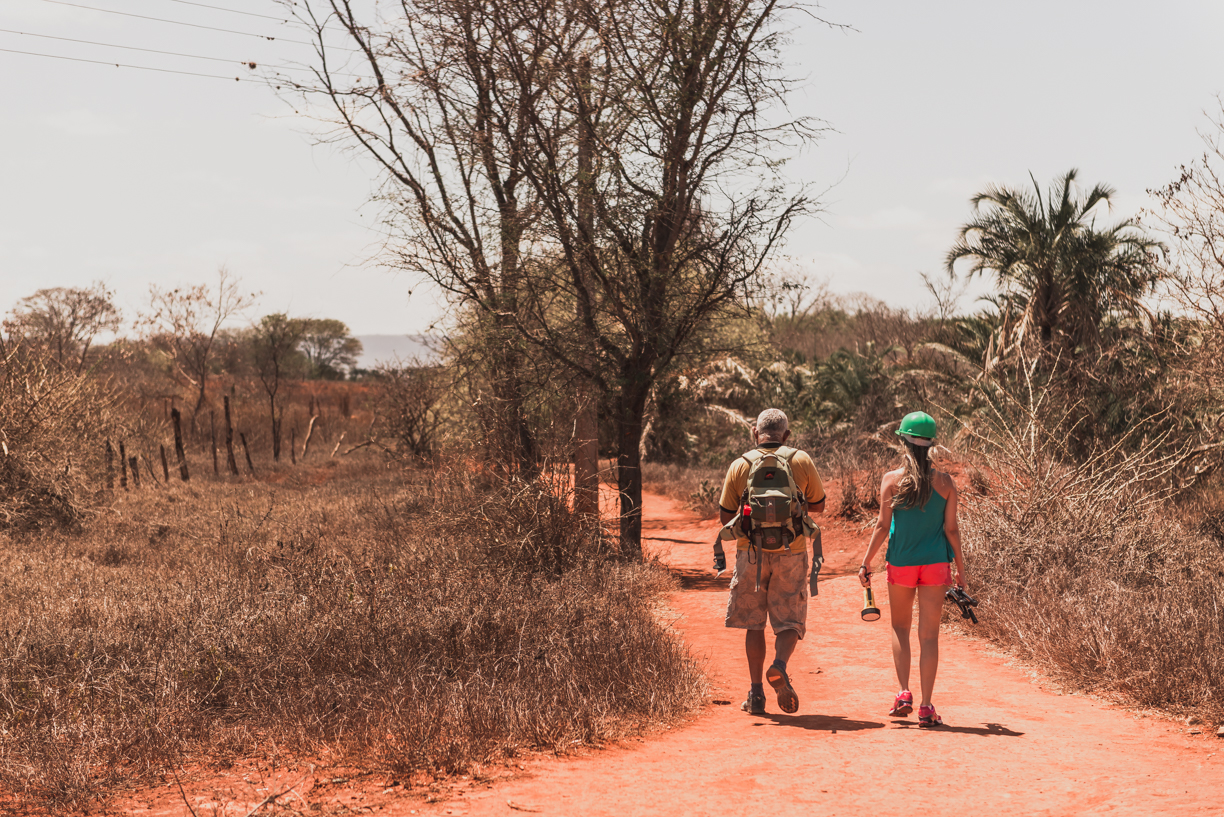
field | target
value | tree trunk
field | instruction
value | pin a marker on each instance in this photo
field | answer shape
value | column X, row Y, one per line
column 631, row 411
column 586, row 422
column 586, row 453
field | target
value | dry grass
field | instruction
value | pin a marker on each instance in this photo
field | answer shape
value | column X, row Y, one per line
column 1112, row 602
column 405, row 623
column 1086, row 566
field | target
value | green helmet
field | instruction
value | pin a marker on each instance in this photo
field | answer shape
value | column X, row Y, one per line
column 918, row 427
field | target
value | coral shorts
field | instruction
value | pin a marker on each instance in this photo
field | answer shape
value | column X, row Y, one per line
column 914, row 575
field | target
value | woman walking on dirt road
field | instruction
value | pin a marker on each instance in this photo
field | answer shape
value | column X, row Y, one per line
column 918, row 519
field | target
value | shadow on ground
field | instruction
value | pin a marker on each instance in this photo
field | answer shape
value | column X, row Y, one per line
column 984, row 731
column 821, row 723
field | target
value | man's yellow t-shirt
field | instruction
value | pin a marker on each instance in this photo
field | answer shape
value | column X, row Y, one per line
column 806, row 478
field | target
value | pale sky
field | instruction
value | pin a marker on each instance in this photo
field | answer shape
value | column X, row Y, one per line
column 134, row 177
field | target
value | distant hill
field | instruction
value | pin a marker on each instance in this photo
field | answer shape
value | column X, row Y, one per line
column 377, row 349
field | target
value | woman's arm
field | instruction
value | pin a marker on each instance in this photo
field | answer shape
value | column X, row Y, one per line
column 952, row 530
column 879, row 533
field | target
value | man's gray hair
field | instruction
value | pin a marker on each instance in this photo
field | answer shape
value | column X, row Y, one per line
column 772, row 423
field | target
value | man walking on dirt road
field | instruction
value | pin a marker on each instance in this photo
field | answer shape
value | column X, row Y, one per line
column 766, row 498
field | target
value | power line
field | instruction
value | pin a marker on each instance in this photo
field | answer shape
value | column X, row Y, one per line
column 121, row 65
column 231, row 11
column 190, row 25
column 249, row 63
column 125, row 47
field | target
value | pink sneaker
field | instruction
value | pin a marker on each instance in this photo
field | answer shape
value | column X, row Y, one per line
column 927, row 716
column 903, row 705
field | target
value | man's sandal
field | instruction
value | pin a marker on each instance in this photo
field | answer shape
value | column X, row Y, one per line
column 927, row 716
column 788, row 701
column 903, row 705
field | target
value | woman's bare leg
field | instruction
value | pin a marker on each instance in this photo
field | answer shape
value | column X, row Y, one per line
column 930, row 609
column 901, row 608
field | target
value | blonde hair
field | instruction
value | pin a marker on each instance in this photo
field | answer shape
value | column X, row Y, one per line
column 914, row 489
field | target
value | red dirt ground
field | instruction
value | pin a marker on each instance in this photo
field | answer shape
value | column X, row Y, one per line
column 1013, row 744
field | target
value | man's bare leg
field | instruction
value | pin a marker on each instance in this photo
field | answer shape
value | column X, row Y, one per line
column 754, row 646
column 784, row 645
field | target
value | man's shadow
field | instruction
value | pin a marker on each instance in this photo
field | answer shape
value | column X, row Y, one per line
column 695, row 579
column 821, row 723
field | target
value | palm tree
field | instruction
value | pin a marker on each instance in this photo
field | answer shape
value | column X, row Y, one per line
column 1059, row 275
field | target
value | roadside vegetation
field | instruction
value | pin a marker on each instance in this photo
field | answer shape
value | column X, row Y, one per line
column 220, row 538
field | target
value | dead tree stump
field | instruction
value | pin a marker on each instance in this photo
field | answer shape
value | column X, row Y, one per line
column 134, row 462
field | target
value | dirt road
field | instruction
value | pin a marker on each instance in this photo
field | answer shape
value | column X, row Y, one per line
column 1010, row 746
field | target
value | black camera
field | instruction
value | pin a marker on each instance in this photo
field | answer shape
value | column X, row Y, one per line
column 964, row 601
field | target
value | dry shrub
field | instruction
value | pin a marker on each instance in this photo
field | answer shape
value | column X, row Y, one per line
column 857, row 469
column 408, row 621
column 52, row 426
column 1078, row 566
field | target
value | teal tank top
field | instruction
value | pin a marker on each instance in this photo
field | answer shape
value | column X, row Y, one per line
column 917, row 535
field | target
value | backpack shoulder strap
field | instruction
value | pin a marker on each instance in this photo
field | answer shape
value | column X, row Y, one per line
column 786, row 452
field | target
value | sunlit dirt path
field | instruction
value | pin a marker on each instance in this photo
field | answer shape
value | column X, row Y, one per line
column 1010, row 746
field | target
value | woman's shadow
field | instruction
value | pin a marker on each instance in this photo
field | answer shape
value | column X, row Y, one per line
column 836, row 723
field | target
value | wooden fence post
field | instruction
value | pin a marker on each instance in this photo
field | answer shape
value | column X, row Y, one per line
column 247, row 450
column 229, row 439
column 293, row 445
column 165, row 465
column 122, row 466
column 177, row 419
column 309, row 433
column 110, row 465
column 135, row 463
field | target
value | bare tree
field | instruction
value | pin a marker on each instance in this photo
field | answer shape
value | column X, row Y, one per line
column 409, row 397
column 614, row 161
column 185, row 323
column 420, row 97
column 670, row 219
column 274, row 351
column 1192, row 215
column 65, row 321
